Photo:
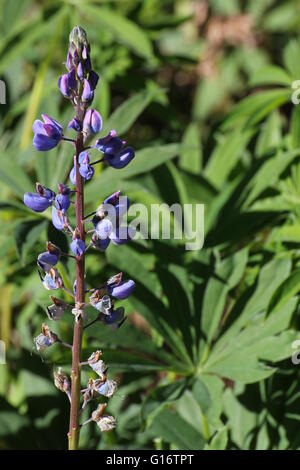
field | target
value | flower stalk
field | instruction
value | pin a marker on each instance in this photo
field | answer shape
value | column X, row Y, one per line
column 74, row 429
column 78, row 86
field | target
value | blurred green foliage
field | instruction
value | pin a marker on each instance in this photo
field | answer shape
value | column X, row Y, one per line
column 203, row 91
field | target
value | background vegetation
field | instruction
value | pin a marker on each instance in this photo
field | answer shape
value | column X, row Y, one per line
column 203, row 91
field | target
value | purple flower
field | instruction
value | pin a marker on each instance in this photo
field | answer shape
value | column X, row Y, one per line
column 80, row 71
column 85, row 170
column 62, row 200
column 93, row 79
column 99, row 244
column 121, row 159
column 122, row 290
column 49, row 258
column 58, row 219
column 116, row 319
column 75, row 124
column 67, row 83
column 41, row 200
column 120, row 205
column 47, row 134
column 92, row 122
column 69, row 63
column 87, row 93
column 110, row 144
column 77, row 245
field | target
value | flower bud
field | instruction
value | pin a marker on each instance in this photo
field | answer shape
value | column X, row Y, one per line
column 87, row 93
column 77, row 245
column 93, row 79
column 75, row 124
column 62, row 200
column 80, row 71
column 92, row 123
column 78, row 39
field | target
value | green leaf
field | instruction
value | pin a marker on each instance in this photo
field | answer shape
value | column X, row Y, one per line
column 191, row 154
column 225, row 156
column 255, row 107
column 172, row 428
column 271, row 75
column 126, row 114
column 268, row 175
column 124, row 31
column 13, row 176
column 219, row 440
column 283, row 293
column 295, row 127
column 26, row 235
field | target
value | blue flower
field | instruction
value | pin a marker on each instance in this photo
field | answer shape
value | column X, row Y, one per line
column 88, row 92
column 110, row 144
column 49, row 258
column 41, row 200
column 93, row 79
column 121, row 159
column 59, row 220
column 75, row 124
column 67, row 83
column 85, row 169
column 116, row 319
column 92, row 123
column 77, row 245
column 114, row 152
column 121, row 290
column 47, row 134
column 62, row 200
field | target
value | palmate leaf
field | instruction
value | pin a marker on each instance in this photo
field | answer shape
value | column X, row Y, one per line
column 174, row 429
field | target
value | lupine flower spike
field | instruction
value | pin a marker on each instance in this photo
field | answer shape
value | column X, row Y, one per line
column 78, row 85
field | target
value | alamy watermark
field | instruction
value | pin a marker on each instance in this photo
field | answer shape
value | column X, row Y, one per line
column 157, row 221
